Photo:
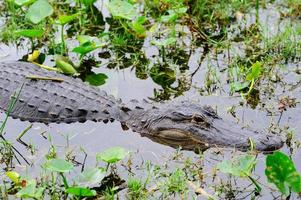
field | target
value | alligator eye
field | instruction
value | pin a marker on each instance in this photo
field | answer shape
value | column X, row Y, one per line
column 197, row 119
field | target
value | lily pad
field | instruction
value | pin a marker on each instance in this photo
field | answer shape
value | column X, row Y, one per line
column 39, row 11
column 163, row 75
column 90, row 177
column 122, row 9
column 240, row 166
column 59, row 165
column 112, row 155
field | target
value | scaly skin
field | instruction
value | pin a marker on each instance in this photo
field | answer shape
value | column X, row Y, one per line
column 52, row 102
column 185, row 124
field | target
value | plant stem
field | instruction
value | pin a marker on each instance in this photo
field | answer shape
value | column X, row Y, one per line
column 45, row 78
column 63, row 41
column 64, row 180
column 258, row 188
column 257, row 11
column 24, row 132
column 11, row 105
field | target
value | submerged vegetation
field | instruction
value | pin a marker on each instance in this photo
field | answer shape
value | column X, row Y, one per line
column 223, row 48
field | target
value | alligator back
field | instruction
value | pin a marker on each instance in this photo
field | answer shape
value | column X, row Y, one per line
column 50, row 101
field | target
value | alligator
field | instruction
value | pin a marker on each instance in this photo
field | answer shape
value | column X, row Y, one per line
column 174, row 123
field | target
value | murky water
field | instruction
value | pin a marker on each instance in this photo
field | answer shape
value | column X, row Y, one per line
column 95, row 137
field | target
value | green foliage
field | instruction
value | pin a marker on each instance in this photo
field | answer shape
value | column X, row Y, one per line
column 281, row 171
column 255, row 72
column 13, row 176
column 96, row 79
column 58, row 165
column 137, row 26
column 136, row 189
column 176, row 182
column 65, row 66
column 112, row 155
column 23, row 2
column 87, row 44
column 239, row 166
column 163, row 76
column 285, row 45
column 216, row 15
column 30, row 33
column 174, row 14
column 164, row 43
column 252, row 76
column 65, row 19
column 122, row 9
column 87, row 3
column 90, row 177
column 81, row 192
column 31, row 191
column 39, row 11
column 86, row 48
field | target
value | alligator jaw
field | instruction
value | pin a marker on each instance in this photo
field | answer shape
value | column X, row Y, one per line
column 177, row 138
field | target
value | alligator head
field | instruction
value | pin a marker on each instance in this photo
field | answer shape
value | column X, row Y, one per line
column 195, row 127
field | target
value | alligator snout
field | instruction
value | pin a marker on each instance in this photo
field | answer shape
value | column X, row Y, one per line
column 234, row 135
column 269, row 143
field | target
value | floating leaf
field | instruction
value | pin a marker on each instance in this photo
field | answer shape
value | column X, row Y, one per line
column 30, row 33
column 96, row 79
column 81, row 192
column 112, row 155
column 39, row 11
column 122, row 9
column 90, row 177
column 240, row 166
column 59, row 165
column 281, row 171
column 163, row 76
